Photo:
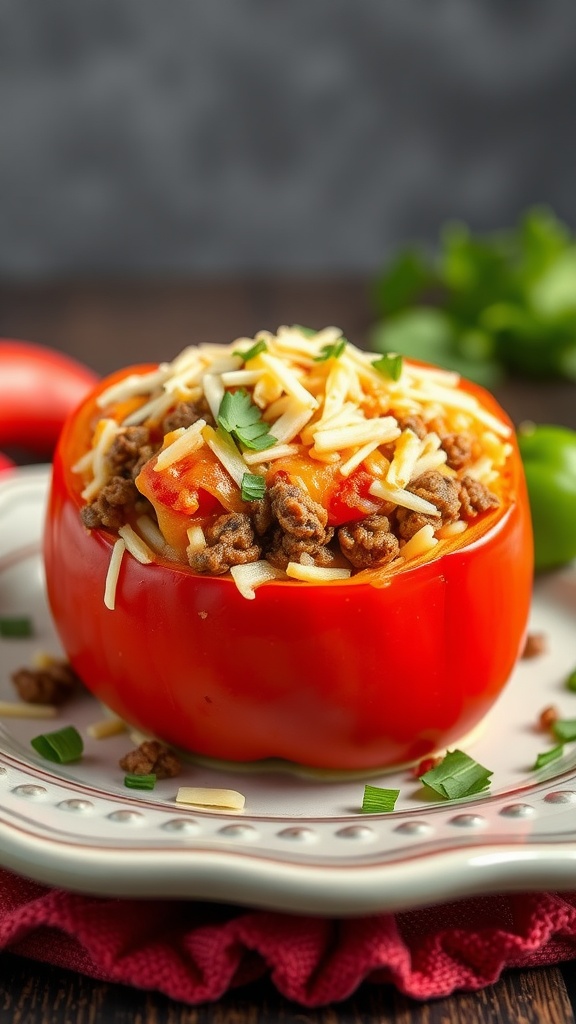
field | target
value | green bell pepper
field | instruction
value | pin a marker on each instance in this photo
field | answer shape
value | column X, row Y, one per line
column 549, row 457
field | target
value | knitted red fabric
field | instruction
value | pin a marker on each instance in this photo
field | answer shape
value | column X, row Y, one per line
column 194, row 952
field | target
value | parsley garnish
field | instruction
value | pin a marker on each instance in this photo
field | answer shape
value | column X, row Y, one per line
column 571, row 681
column 243, row 420
column 456, row 776
column 377, row 800
column 253, row 487
column 16, row 627
column 331, row 351
column 251, row 353
column 62, row 746
column 140, row 781
column 565, row 730
column 389, row 365
column 549, row 755
column 308, row 332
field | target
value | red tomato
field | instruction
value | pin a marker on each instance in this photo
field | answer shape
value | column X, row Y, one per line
column 368, row 672
column 39, row 387
column 179, row 499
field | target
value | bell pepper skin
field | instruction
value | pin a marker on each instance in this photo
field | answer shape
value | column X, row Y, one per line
column 39, row 387
column 549, row 456
column 339, row 675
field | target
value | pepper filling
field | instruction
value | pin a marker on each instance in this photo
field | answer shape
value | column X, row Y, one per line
column 292, row 455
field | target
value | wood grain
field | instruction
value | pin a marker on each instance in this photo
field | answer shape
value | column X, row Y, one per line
column 33, row 993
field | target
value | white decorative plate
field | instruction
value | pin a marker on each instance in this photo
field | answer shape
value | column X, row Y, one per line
column 301, row 843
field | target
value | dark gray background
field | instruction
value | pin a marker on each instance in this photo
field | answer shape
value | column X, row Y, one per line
column 279, row 136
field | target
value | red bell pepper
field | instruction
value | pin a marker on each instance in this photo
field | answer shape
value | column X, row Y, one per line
column 343, row 675
column 38, row 388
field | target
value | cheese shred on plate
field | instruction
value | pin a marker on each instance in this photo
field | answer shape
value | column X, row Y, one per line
column 293, row 456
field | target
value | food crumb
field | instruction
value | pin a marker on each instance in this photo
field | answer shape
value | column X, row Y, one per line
column 548, row 717
column 203, row 615
column 151, row 758
column 53, row 682
column 536, row 644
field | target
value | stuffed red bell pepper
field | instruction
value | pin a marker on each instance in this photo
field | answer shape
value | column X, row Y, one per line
column 287, row 547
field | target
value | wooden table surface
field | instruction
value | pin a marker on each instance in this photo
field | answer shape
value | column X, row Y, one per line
column 111, row 324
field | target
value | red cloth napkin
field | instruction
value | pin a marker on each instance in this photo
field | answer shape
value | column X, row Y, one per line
column 194, row 952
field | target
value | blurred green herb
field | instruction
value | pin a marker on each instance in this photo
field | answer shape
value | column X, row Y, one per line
column 485, row 305
column 331, row 351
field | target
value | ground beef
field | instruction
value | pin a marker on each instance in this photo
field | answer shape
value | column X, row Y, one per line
column 475, row 497
column 230, row 542
column 459, row 450
column 369, row 542
column 187, row 413
column 415, row 424
column 536, row 644
column 296, row 513
column 109, row 507
column 151, row 758
column 442, row 491
column 300, row 527
column 128, row 452
column 285, row 548
column 54, row 683
column 261, row 513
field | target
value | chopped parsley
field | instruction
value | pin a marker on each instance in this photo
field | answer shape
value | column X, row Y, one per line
column 571, row 681
column 390, row 365
column 253, row 487
column 62, row 746
column 331, row 351
column 377, row 800
column 548, row 756
column 565, row 730
column 308, row 332
column 243, row 420
column 456, row 776
column 140, row 781
column 16, row 627
column 251, row 353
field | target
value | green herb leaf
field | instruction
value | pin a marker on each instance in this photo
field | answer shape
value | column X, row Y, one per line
column 16, row 627
column 377, row 800
column 507, row 300
column 62, row 746
column 331, row 351
column 571, row 681
column 390, row 365
column 243, row 420
column 547, row 757
column 253, row 487
column 308, row 332
column 251, row 353
column 140, row 781
column 456, row 776
column 565, row 730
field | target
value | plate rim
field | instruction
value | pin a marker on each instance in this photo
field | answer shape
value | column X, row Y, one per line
column 467, row 866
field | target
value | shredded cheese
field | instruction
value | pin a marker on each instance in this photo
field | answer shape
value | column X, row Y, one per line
column 315, row 573
column 322, row 399
column 204, row 797
column 189, row 441
column 406, row 499
column 14, row 709
column 420, row 543
column 113, row 574
column 105, row 728
column 252, row 575
column 226, row 452
column 135, row 545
